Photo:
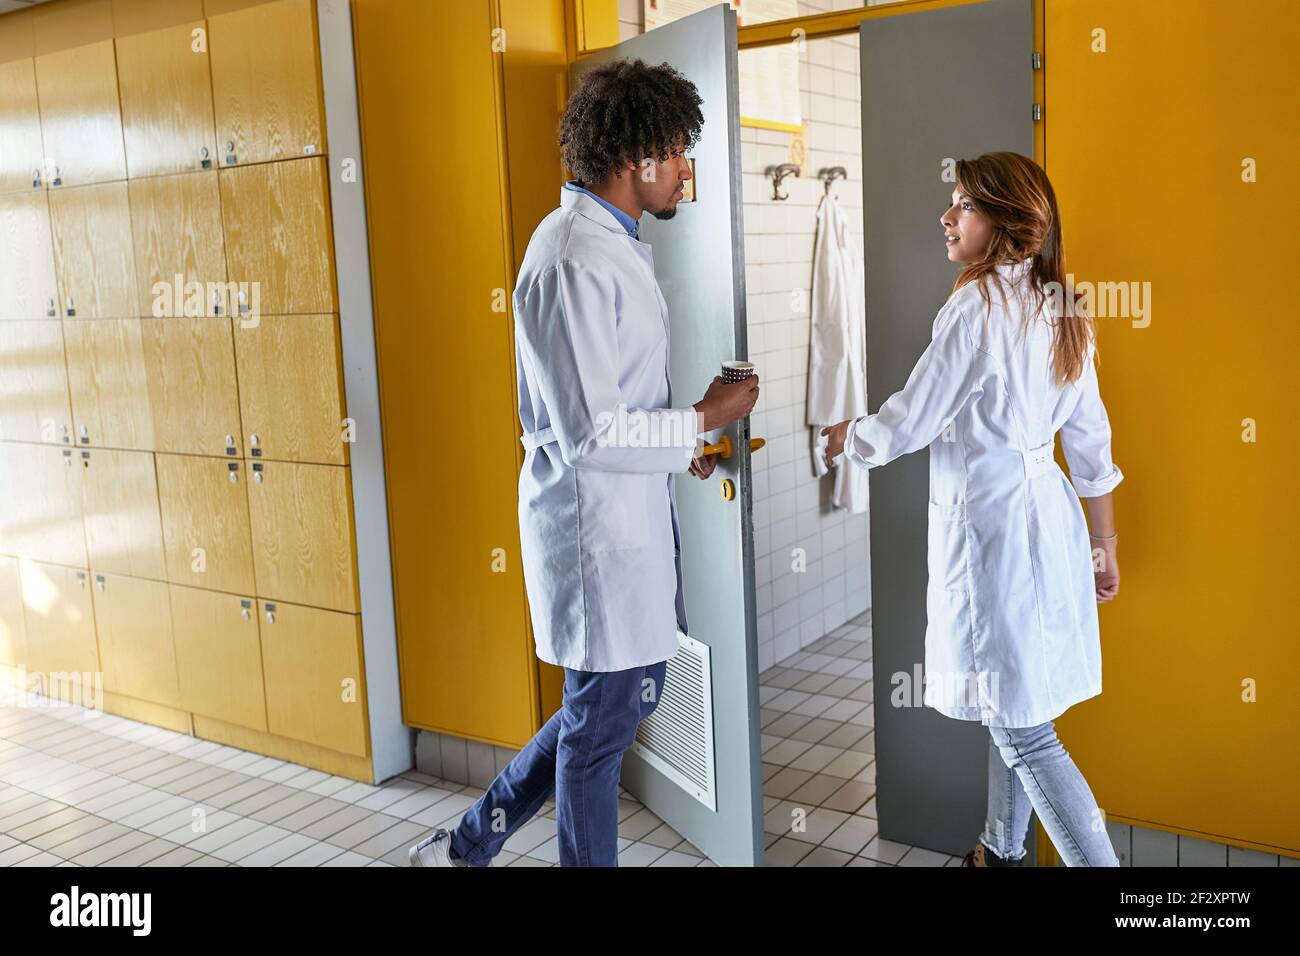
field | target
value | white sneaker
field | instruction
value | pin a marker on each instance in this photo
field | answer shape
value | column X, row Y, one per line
column 434, row 850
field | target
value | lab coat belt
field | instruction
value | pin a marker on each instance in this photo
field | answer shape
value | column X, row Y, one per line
column 1040, row 460
column 543, row 436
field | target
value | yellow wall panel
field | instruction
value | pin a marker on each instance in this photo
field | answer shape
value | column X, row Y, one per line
column 278, row 235
column 81, row 121
column 108, row 382
column 291, row 388
column 1205, row 613
column 265, row 82
column 218, row 656
column 60, row 619
column 205, row 522
column 303, row 545
column 166, row 98
column 123, row 527
column 33, row 383
column 133, row 622
column 40, row 504
column 93, row 252
column 17, row 36
column 28, row 289
column 314, row 686
column 21, row 153
column 72, row 23
column 193, row 397
column 142, row 16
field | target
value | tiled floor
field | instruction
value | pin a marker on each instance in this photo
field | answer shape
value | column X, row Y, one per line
column 79, row 788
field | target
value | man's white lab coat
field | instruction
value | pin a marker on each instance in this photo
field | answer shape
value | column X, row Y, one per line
column 837, row 375
column 597, row 515
column 1012, row 637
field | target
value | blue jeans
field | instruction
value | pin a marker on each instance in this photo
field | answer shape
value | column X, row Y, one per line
column 1028, row 767
column 577, row 755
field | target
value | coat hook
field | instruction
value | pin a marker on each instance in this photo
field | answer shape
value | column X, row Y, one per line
column 829, row 175
column 778, row 173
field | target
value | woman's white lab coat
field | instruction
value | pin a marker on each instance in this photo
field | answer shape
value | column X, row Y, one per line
column 1011, row 637
column 597, row 515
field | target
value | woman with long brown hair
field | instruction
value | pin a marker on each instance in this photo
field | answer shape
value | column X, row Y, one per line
column 1014, row 576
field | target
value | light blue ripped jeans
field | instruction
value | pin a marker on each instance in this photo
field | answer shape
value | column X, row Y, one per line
column 1028, row 768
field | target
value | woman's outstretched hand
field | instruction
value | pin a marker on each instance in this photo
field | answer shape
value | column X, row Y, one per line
column 835, row 445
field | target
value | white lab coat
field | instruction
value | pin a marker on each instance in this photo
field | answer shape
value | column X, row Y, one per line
column 597, row 514
column 837, row 377
column 1011, row 593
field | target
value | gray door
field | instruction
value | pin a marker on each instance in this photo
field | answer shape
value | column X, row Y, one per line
column 936, row 86
column 696, row 763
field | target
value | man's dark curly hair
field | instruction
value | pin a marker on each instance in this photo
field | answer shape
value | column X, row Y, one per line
column 624, row 111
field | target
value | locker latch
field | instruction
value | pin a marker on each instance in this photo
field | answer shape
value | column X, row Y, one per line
column 245, row 608
column 233, row 469
column 257, row 472
column 270, row 613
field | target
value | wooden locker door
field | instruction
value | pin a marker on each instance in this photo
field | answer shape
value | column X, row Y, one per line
column 60, row 619
column 92, row 251
column 81, row 122
column 166, row 93
column 291, row 388
column 205, row 522
column 176, row 228
column 28, row 289
column 40, row 504
column 33, row 383
column 133, row 622
column 123, row 522
column 21, row 153
column 266, row 82
column 13, row 630
column 303, row 547
column 193, row 398
column 314, row 680
column 108, row 383
column 278, row 235
column 218, row 656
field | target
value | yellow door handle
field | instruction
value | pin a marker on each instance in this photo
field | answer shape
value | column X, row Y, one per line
column 723, row 446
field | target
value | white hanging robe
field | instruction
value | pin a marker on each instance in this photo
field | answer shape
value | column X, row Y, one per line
column 837, row 378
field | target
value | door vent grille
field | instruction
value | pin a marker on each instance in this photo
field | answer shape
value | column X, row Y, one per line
column 677, row 738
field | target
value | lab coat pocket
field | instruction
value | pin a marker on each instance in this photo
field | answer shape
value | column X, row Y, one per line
column 611, row 510
column 947, row 546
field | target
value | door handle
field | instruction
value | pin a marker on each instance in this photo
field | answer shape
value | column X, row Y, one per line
column 723, row 446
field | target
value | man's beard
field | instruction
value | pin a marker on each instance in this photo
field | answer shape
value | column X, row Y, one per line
column 666, row 213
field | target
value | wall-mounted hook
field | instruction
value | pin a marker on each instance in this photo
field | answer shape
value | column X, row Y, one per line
column 829, row 175
column 778, row 173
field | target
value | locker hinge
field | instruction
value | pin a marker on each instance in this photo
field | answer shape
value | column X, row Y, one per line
column 1038, row 60
column 1038, row 112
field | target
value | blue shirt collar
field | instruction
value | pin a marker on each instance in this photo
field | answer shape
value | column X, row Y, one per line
column 632, row 226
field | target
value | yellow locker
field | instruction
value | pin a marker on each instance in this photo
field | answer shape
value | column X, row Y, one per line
column 123, row 526
column 40, row 504
column 166, row 101
column 21, row 154
column 13, row 630
column 133, row 622
column 28, row 289
column 291, row 388
column 302, row 534
column 60, row 619
column 278, row 235
column 33, row 383
column 314, row 681
column 81, row 122
column 108, row 383
column 265, row 83
column 92, row 251
column 193, row 398
column 205, row 522
column 176, row 228
column 218, row 656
